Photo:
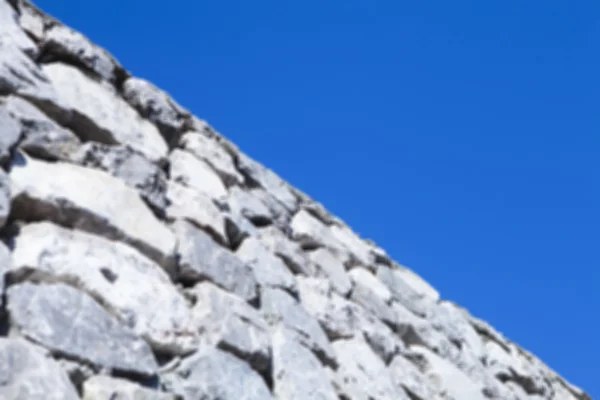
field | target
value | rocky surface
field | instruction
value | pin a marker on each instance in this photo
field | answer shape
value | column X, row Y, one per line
column 143, row 256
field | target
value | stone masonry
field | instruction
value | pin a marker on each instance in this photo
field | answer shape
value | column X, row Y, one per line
column 144, row 257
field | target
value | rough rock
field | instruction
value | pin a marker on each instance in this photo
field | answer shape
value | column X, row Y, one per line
column 196, row 174
column 280, row 307
column 197, row 208
column 5, row 266
column 28, row 374
column 332, row 268
column 100, row 115
column 40, row 136
column 10, row 134
column 108, row 388
column 33, row 20
column 20, row 75
column 228, row 322
column 406, row 375
column 90, row 200
column 131, row 286
column 257, row 174
column 297, row 373
column 131, row 167
column 201, row 258
column 362, row 375
column 62, row 43
column 214, row 154
column 5, row 197
column 407, row 290
column 373, row 295
column 212, row 374
column 11, row 32
column 71, row 323
column 290, row 252
column 269, row 270
column 155, row 105
column 443, row 377
column 249, row 206
column 311, row 232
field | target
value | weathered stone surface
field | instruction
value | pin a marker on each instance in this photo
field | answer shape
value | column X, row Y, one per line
column 212, row 152
column 405, row 290
column 196, row 174
column 289, row 251
column 20, row 75
column 62, row 43
column 5, row 197
column 11, row 32
column 332, row 268
column 373, row 295
column 251, row 207
column 279, row 307
column 5, row 266
column 297, row 373
column 40, row 136
column 101, row 115
column 198, row 208
column 212, row 374
column 201, row 258
column 311, row 232
column 10, row 133
column 406, row 375
column 131, row 167
column 269, row 269
column 157, row 106
column 228, row 322
column 33, row 21
column 444, row 378
column 362, row 375
column 353, row 244
column 256, row 173
column 90, row 200
column 108, row 388
column 131, row 286
column 28, row 374
column 70, row 322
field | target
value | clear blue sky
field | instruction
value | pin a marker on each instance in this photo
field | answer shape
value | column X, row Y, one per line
column 463, row 137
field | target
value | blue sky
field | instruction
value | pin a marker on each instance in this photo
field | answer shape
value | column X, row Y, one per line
column 463, row 137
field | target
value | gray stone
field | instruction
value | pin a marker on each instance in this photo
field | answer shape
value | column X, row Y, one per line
column 11, row 32
column 297, row 373
column 410, row 296
column 351, row 242
column 443, row 377
column 62, row 43
column 311, row 232
column 258, row 174
column 362, row 375
column 201, row 258
column 10, row 133
column 251, row 207
column 373, row 295
column 20, row 75
column 109, row 388
column 101, row 115
column 5, row 266
column 197, row 208
column 280, row 307
column 332, row 268
column 269, row 269
column 212, row 374
column 131, row 286
column 289, row 251
column 196, row 174
column 131, row 167
column 28, row 374
column 41, row 136
column 70, row 322
column 157, row 106
column 281, row 215
column 228, row 322
column 212, row 152
column 90, row 200
column 33, row 21
column 406, row 375
column 5, row 197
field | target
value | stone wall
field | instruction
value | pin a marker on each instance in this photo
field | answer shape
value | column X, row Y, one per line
column 143, row 256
